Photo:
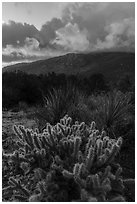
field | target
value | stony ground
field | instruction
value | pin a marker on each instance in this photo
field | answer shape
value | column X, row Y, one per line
column 16, row 118
column 8, row 120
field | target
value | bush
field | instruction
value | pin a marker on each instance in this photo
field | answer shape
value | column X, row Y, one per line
column 66, row 162
column 59, row 102
column 112, row 111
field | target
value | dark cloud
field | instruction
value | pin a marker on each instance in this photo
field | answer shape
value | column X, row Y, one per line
column 15, row 33
column 48, row 31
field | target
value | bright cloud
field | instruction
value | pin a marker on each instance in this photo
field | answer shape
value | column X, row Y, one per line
column 71, row 38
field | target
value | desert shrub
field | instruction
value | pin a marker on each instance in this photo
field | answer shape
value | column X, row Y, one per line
column 124, row 84
column 97, row 83
column 112, row 111
column 29, row 88
column 58, row 102
column 68, row 161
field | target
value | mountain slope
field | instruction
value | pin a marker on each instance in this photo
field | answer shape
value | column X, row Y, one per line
column 111, row 64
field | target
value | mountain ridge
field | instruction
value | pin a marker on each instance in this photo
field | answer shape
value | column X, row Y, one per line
column 107, row 63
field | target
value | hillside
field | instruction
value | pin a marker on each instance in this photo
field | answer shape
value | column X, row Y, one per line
column 111, row 64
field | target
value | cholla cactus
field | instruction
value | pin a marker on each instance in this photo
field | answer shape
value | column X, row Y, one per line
column 70, row 153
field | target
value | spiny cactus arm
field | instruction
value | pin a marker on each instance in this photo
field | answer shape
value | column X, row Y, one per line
column 27, row 148
column 70, row 146
column 30, row 138
column 106, row 186
column 114, row 151
column 80, row 157
column 118, row 172
column 119, row 141
column 75, row 128
column 109, row 154
column 16, row 185
column 88, row 145
column 66, row 120
column 24, row 133
column 90, row 158
column 53, row 139
column 82, row 126
column 58, row 160
column 106, row 173
column 82, row 169
column 67, row 174
column 61, row 128
column 100, row 189
column 47, row 143
column 105, row 141
column 77, row 142
column 96, row 181
column 20, row 144
column 17, row 132
column 69, row 121
column 93, row 125
column 76, row 169
column 37, row 142
column 99, row 144
column 103, row 134
column 68, row 131
column 63, row 121
column 49, row 129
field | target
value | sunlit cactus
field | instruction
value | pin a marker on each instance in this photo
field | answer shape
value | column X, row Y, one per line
column 65, row 153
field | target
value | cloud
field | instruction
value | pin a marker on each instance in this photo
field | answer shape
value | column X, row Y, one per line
column 83, row 27
column 23, row 42
column 48, row 32
column 120, row 34
column 29, row 52
column 101, row 20
column 71, row 38
column 13, row 32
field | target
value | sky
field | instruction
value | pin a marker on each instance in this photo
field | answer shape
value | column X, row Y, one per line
column 40, row 30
